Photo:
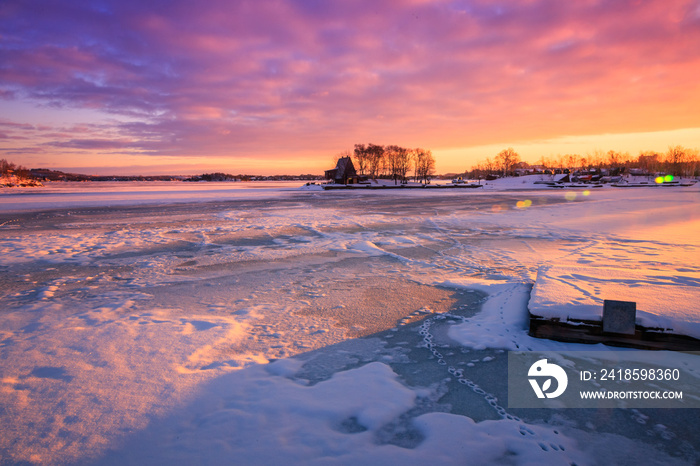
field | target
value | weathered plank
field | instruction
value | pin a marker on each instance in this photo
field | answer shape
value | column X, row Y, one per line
column 592, row 332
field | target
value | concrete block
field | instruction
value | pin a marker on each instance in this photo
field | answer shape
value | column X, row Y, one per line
column 619, row 316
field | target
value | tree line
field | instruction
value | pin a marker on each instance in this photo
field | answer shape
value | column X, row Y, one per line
column 8, row 169
column 676, row 161
column 392, row 162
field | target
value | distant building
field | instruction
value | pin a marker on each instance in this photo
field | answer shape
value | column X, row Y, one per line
column 343, row 173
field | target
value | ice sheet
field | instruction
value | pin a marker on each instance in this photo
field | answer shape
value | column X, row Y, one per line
column 122, row 323
column 100, row 194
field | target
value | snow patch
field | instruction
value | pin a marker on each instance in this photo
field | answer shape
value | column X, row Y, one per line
column 665, row 299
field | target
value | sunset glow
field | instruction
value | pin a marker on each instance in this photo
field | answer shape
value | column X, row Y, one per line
column 280, row 87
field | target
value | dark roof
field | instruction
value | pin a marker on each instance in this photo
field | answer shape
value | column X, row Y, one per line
column 345, row 168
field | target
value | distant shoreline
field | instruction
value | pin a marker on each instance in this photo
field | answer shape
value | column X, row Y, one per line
column 401, row 186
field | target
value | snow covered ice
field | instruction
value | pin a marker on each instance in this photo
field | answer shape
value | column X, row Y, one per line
column 165, row 323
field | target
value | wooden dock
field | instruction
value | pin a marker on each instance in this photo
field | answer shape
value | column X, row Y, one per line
column 591, row 332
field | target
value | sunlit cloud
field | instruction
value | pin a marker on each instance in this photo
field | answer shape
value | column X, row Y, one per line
column 300, row 79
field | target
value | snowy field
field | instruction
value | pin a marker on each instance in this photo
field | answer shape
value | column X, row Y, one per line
column 231, row 323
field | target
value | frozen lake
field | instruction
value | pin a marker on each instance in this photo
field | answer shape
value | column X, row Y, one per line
column 77, row 194
column 153, row 323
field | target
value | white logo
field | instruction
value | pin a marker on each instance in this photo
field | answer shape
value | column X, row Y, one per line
column 544, row 369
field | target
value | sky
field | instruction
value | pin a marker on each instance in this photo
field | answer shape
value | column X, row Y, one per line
column 284, row 86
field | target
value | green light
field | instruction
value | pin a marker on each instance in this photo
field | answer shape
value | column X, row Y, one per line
column 668, row 178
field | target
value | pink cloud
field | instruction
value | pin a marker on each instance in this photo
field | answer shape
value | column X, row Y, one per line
column 233, row 78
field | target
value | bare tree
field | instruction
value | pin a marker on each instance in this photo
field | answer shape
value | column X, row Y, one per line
column 361, row 158
column 597, row 159
column 675, row 158
column 391, row 156
column 649, row 161
column 573, row 161
column 478, row 172
column 10, row 169
column 693, row 162
column 506, row 160
column 403, row 163
column 375, row 159
column 614, row 159
column 585, row 163
column 6, row 167
column 489, row 166
column 340, row 155
column 424, row 164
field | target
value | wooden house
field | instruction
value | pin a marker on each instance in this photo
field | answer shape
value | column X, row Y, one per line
column 343, row 173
